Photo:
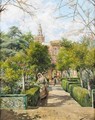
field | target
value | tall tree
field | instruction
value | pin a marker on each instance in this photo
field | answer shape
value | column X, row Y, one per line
column 64, row 60
column 13, row 41
column 25, row 5
column 39, row 57
column 79, row 11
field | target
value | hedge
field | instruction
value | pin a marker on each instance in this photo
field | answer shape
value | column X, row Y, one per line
column 33, row 96
column 71, row 86
column 81, row 95
column 76, row 79
column 65, row 84
column 71, row 79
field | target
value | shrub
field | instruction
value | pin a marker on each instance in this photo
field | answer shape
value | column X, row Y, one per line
column 81, row 95
column 74, row 79
column 6, row 90
column 64, row 78
column 65, row 84
column 71, row 86
column 33, row 96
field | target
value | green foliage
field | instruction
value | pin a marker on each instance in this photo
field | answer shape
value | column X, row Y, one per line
column 66, row 43
column 65, row 55
column 90, row 58
column 71, row 86
column 22, row 57
column 33, row 96
column 6, row 90
column 10, row 74
column 77, row 56
column 66, row 84
column 75, row 79
column 39, row 57
column 14, row 32
column 79, row 53
column 13, row 41
column 64, row 59
column 81, row 95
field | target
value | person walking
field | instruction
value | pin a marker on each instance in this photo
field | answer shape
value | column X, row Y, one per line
column 55, row 80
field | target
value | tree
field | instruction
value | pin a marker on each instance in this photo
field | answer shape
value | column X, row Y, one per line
column 90, row 61
column 13, row 41
column 72, row 56
column 38, row 57
column 32, row 60
column 79, row 52
column 66, row 43
column 79, row 11
column 9, row 74
column 24, row 5
column 27, row 38
column 65, row 56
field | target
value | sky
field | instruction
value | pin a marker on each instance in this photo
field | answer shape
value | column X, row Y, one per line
column 45, row 14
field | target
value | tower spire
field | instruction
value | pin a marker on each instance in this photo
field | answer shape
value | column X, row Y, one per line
column 40, row 38
column 40, row 30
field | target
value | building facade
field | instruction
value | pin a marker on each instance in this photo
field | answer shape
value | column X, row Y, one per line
column 54, row 49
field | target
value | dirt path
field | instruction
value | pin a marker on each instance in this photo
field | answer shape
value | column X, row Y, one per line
column 58, row 106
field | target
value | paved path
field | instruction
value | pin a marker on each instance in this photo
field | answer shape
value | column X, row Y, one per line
column 58, row 106
column 58, row 98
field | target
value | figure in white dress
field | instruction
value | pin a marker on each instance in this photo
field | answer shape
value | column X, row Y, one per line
column 43, row 85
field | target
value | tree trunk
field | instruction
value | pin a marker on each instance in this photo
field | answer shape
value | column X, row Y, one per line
column 23, row 81
column 89, row 88
column 61, row 74
column 80, row 76
column 68, row 72
column 93, row 71
column 88, row 81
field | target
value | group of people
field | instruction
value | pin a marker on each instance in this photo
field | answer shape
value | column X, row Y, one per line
column 45, row 81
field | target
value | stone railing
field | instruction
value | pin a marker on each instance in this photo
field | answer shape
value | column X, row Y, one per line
column 13, row 101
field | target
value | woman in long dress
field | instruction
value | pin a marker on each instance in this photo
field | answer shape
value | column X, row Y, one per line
column 43, row 85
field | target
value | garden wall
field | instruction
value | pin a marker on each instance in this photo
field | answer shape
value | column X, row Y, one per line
column 93, row 98
column 13, row 101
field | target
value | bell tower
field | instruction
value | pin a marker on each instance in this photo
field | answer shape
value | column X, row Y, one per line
column 40, row 38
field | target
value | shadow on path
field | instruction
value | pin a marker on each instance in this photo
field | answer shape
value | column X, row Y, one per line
column 59, row 100
column 11, row 115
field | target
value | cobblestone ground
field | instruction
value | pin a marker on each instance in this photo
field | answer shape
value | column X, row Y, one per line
column 58, row 106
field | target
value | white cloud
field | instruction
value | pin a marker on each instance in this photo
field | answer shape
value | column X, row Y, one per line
column 52, row 28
